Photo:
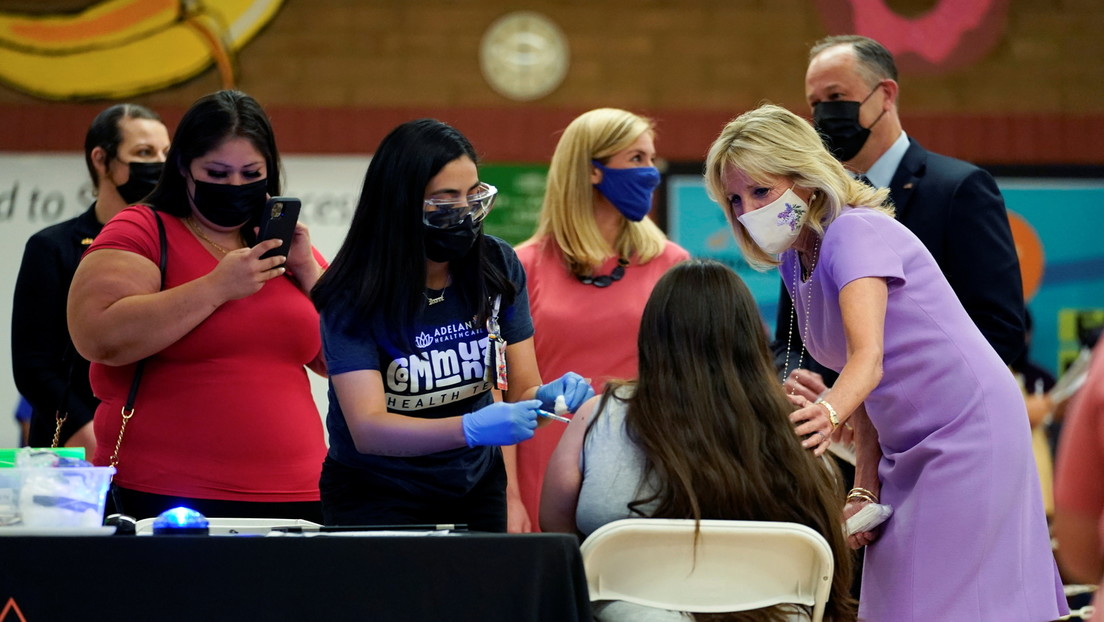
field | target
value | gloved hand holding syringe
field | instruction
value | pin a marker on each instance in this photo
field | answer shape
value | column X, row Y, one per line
column 566, row 395
column 561, row 410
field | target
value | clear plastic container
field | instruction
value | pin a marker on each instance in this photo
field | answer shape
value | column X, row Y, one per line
column 54, row 496
column 7, row 454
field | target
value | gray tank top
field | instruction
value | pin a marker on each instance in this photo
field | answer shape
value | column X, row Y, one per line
column 612, row 467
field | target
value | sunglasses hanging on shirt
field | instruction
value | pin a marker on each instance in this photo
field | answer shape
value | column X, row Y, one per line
column 605, row 280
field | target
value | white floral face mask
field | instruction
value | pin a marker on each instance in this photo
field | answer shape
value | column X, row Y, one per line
column 775, row 226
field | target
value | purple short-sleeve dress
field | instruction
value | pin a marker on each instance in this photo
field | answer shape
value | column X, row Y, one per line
column 968, row 539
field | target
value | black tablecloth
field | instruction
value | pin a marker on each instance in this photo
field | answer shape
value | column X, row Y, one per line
column 455, row 577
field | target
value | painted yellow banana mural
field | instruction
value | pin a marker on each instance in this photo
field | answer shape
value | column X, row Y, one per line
column 120, row 48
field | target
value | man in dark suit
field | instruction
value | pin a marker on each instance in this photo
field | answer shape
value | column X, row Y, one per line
column 124, row 151
column 954, row 207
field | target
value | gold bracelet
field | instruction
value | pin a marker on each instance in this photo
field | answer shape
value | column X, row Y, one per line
column 832, row 416
column 863, row 493
column 859, row 497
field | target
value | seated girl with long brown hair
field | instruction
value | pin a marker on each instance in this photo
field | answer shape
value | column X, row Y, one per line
column 702, row 433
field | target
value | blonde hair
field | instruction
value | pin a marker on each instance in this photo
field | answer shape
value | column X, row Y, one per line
column 567, row 215
column 772, row 141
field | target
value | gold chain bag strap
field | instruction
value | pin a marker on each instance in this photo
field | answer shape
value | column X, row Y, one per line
column 128, row 408
column 62, row 412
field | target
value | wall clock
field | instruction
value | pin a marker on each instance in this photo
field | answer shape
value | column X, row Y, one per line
column 524, row 55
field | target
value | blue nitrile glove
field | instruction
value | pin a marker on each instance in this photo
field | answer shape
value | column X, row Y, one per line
column 501, row 423
column 575, row 389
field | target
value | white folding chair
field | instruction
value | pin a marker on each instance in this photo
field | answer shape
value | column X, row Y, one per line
column 733, row 566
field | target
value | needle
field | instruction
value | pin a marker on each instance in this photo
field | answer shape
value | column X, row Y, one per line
column 545, row 413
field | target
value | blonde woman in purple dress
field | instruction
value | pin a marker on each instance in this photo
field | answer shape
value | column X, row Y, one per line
column 939, row 424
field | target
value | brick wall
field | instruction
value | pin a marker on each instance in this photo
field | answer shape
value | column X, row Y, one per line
column 338, row 74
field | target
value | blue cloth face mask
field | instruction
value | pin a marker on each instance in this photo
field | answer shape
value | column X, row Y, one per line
column 629, row 189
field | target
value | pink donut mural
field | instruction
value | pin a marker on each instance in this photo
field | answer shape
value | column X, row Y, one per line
column 952, row 34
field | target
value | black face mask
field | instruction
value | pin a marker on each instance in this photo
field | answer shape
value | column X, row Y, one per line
column 230, row 206
column 143, row 178
column 839, row 127
column 450, row 244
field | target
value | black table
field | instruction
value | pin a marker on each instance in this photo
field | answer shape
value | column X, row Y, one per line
column 403, row 578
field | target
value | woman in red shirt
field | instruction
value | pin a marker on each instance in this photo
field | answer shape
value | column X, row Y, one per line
column 224, row 421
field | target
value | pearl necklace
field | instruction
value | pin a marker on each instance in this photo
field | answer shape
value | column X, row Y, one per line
column 194, row 227
column 793, row 316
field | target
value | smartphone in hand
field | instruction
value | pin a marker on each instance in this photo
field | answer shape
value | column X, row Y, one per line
column 278, row 222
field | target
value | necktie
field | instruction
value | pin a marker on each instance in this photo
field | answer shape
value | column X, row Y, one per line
column 865, row 180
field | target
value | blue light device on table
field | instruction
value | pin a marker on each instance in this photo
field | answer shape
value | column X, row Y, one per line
column 180, row 521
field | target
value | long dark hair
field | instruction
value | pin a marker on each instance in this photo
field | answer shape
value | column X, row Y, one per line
column 105, row 132
column 712, row 421
column 210, row 121
column 380, row 267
